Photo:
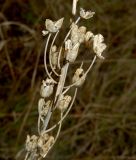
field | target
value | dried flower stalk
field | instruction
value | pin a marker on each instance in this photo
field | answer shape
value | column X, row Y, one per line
column 54, row 93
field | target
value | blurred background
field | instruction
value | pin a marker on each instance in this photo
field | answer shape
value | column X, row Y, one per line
column 102, row 123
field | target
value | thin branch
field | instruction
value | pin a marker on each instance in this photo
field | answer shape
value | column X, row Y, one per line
column 61, row 81
column 91, row 65
column 47, row 119
column 26, row 157
column 57, row 135
column 45, row 63
column 8, row 56
column 74, row 6
column 39, row 122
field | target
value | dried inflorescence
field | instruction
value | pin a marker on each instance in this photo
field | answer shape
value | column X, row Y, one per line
column 47, row 88
column 64, row 102
column 98, row 45
column 53, row 91
column 53, row 26
column 79, row 77
column 86, row 14
column 38, row 145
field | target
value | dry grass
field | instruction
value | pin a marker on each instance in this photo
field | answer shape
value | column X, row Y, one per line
column 102, row 123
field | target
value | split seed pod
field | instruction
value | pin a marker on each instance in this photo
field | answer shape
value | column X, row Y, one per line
column 47, row 88
column 98, row 45
column 77, row 34
column 53, row 26
column 86, row 14
column 78, row 77
column 71, row 51
column 31, row 143
column 45, row 145
column 43, row 107
column 64, row 102
column 43, row 139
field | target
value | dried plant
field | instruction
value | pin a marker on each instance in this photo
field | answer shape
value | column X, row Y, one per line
column 54, row 93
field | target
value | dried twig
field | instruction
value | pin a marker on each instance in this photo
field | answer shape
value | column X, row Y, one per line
column 53, row 91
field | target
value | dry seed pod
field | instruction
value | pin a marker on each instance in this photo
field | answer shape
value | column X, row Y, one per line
column 98, row 45
column 82, row 31
column 54, row 48
column 61, row 80
column 43, row 107
column 44, row 144
column 41, row 103
column 88, row 35
column 59, row 23
column 68, row 45
column 47, row 88
column 54, row 59
column 31, row 143
column 74, row 34
column 64, row 102
column 86, row 14
column 53, row 26
column 78, row 77
column 50, row 26
column 42, row 139
column 71, row 54
column 77, row 34
column 54, row 56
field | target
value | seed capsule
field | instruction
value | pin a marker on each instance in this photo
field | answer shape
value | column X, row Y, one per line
column 43, row 107
column 98, row 45
column 64, row 102
column 53, row 26
column 47, row 88
column 31, row 143
column 86, row 14
column 71, row 51
column 44, row 144
column 78, row 77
